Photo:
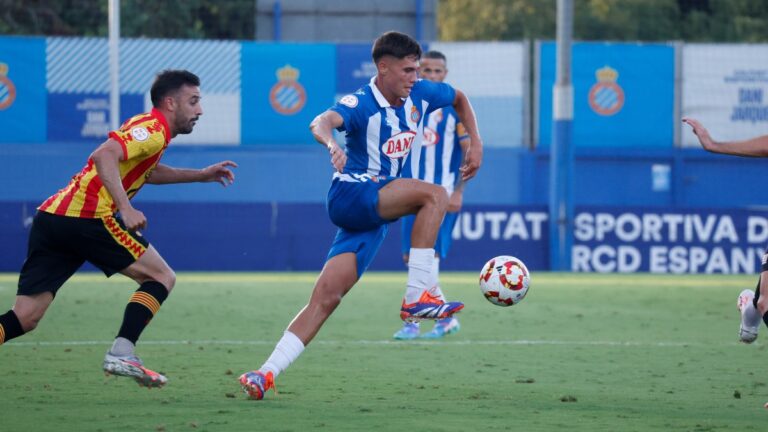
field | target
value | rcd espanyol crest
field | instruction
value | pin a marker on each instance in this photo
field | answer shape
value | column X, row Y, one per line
column 287, row 96
column 7, row 89
column 606, row 97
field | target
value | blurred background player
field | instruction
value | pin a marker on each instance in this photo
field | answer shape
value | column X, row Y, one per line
column 382, row 121
column 445, row 142
column 753, row 306
column 92, row 219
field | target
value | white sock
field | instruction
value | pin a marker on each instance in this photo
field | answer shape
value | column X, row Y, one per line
column 286, row 351
column 122, row 347
column 419, row 273
column 750, row 316
column 435, row 290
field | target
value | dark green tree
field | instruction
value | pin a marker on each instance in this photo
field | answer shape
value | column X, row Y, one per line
column 193, row 19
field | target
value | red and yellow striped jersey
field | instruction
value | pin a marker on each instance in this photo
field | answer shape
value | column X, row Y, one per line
column 144, row 138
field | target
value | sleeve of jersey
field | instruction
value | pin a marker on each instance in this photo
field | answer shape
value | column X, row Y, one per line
column 347, row 108
column 438, row 94
column 121, row 137
column 134, row 147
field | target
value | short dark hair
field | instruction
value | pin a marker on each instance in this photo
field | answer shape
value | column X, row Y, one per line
column 432, row 54
column 169, row 81
column 395, row 44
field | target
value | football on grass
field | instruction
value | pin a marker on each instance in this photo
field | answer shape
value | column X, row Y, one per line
column 504, row 280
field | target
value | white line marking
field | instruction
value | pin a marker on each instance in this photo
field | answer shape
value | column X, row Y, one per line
column 389, row 342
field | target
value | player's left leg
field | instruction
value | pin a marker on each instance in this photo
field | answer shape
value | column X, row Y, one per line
column 451, row 324
column 156, row 279
column 428, row 202
column 408, row 330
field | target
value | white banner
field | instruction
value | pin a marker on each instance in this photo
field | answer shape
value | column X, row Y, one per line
column 725, row 86
column 492, row 74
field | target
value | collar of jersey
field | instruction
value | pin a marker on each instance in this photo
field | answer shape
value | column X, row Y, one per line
column 380, row 99
column 166, row 130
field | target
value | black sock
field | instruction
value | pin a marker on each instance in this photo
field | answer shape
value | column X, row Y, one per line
column 10, row 327
column 142, row 306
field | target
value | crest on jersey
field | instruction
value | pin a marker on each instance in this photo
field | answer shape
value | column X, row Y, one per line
column 431, row 137
column 7, row 88
column 140, row 133
column 398, row 146
column 349, row 100
column 606, row 97
column 287, row 96
column 415, row 114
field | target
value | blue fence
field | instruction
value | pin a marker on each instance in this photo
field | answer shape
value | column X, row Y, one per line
column 273, row 217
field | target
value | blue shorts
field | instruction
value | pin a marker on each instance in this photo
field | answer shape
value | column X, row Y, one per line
column 352, row 204
column 352, row 207
column 364, row 244
column 444, row 239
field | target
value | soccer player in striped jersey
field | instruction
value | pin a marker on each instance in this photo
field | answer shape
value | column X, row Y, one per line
column 753, row 306
column 445, row 142
column 383, row 122
column 92, row 219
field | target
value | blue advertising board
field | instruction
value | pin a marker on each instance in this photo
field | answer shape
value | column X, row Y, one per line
column 85, row 116
column 623, row 94
column 627, row 240
column 354, row 67
column 295, row 236
column 284, row 86
column 22, row 90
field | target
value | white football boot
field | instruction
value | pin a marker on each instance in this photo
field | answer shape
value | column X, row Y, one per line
column 747, row 333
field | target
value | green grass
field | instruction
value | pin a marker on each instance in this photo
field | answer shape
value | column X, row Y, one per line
column 581, row 353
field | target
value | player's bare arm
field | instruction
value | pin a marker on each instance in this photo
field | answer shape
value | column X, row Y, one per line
column 218, row 172
column 474, row 155
column 456, row 200
column 106, row 158
column 754, row 147
column 322, row 129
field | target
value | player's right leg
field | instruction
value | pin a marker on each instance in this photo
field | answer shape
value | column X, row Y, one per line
column 338, row 276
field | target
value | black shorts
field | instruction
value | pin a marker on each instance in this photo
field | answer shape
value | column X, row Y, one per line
column 59, row 245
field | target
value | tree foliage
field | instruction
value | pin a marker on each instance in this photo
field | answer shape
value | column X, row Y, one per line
column 620, row 20
column 184, row 19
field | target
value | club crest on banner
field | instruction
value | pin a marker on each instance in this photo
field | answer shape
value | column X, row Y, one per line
column 287, row 96
column 7, row 89
column 606, row 97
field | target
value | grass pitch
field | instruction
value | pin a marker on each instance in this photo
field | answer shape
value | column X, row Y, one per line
column 580, row 353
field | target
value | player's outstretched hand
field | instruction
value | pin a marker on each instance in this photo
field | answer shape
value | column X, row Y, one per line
column 701, row 132
column 220, row 172
column 338, row 157
column 472, row 161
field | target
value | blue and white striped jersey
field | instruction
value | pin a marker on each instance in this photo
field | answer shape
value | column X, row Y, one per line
column 441, row 152
column 379, row 137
